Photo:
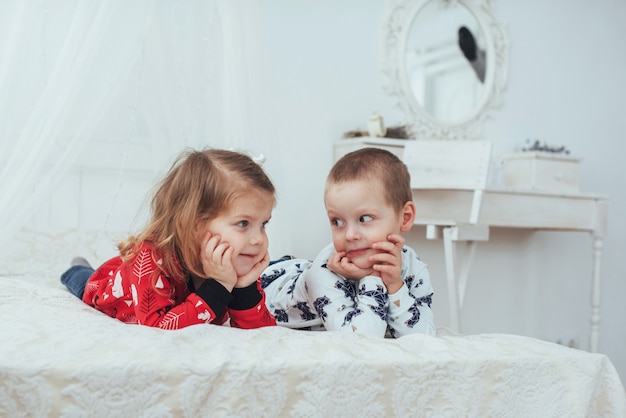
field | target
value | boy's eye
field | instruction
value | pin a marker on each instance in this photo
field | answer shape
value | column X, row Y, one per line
column 242, row 223
column 265, row 224
column 365, row 218
column 336, row 222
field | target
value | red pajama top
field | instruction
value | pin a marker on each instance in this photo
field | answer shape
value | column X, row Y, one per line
column 131, row 293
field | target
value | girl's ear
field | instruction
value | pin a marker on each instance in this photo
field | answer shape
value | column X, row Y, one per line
column 199, row 225
column 408, row 216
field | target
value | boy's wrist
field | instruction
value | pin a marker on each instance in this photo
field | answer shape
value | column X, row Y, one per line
column 393, row 288
column 372, row 282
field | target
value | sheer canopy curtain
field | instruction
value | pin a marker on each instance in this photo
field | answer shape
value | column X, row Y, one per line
column 82, row 81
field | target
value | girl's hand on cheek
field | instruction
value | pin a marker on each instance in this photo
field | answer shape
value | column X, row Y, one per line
column 254, row 274
column 216, row 261
column 340, row 264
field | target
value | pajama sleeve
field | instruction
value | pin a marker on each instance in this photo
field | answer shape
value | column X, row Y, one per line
column 410, row 307
column 345, row 305
column 248, row 310
column 138, row 292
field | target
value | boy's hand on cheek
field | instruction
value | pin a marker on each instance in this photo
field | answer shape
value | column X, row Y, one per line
column 342, row 265
column 254, row 274
column 388, row 263
column 216, row 261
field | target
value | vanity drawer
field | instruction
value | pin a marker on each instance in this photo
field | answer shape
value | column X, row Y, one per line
column 542, row 171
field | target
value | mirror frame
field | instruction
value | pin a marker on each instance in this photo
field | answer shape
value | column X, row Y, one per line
column 423, row 125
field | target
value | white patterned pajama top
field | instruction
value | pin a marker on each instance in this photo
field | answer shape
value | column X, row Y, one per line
column 306, row 294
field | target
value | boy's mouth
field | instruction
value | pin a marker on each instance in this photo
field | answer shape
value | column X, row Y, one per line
column 357, row 252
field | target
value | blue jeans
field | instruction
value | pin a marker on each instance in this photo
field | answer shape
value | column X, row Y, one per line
column 75, row 279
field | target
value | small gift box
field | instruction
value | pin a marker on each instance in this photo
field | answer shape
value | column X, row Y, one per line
column 542, row 171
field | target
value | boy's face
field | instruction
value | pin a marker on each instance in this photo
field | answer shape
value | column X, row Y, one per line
column 360, row 216
column 242, row 226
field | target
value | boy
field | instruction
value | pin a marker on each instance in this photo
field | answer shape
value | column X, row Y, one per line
column 367, row 281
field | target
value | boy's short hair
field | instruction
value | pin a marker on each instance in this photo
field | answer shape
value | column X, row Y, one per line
column 375, row 164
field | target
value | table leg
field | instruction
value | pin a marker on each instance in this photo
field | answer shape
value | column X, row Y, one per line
column 594, row 336
column 453, row 298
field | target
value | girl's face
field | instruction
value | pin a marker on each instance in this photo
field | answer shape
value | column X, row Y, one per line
column 359, row 216
column 242, row 226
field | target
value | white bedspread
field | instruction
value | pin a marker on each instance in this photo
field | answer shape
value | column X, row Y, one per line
column 59, row 357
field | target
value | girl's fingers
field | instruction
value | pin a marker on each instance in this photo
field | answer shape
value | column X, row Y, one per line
column 221, row 254
column 262, row 264
column 210, row 243
column 227, row 254
column 206, row 238
column 216, row 250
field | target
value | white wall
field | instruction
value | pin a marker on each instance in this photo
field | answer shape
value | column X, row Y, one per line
column 566, row 86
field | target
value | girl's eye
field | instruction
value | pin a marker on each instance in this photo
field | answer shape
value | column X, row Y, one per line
column 365, row 218
column 336, row 222
column 265, row 224
column 242, row 223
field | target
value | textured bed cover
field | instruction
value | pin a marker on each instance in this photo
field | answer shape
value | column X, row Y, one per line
column 59, row 357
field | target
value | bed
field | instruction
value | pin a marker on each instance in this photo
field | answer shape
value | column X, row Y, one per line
column 59, row 357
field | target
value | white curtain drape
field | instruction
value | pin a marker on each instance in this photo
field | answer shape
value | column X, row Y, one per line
column 87, row 80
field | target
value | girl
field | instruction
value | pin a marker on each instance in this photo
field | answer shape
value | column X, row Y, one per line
column 199, row 258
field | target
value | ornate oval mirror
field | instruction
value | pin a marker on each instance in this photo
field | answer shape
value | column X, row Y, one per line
column 446, row 64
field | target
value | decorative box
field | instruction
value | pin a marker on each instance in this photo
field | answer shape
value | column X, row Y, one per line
column 542, row 171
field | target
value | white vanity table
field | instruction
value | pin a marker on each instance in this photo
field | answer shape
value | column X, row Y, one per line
column 508, row 208
column 429, row 73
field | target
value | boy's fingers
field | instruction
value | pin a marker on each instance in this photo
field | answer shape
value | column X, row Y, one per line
column 396, row 239
column 383, row 245
column 383, row 258
column 386, row 246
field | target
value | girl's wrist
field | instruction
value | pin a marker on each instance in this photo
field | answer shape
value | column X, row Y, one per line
column 245, row 297
column 227, row 285
column 215, row 295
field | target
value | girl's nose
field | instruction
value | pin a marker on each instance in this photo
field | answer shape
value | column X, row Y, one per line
column 257, row 237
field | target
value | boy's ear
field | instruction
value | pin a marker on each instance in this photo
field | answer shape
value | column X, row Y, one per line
column 408, row 216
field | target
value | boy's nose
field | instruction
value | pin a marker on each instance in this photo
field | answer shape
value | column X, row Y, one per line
column 352, row 233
